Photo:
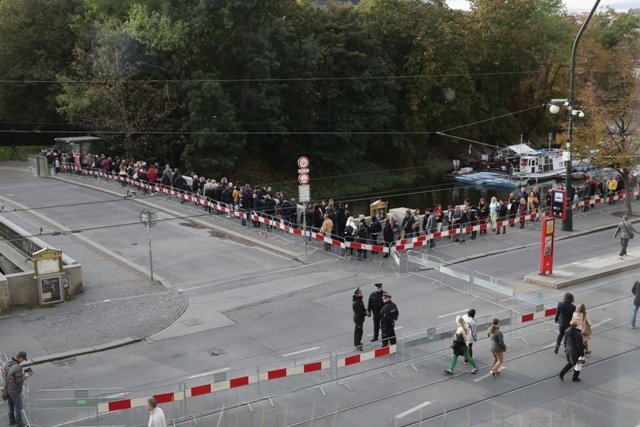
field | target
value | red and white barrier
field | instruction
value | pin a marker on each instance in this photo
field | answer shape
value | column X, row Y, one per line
column 400, row 245
column 537, row 315
column 361, row 357
column 138, row 402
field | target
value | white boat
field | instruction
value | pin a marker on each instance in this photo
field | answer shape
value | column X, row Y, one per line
column 538, row 164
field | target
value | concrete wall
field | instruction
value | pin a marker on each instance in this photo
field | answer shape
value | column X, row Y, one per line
column 22, row 288
column 4, row 295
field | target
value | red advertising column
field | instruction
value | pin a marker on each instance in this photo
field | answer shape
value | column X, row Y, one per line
column 546, row 246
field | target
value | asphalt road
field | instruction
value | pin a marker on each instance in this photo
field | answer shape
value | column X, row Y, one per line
column 249, row 308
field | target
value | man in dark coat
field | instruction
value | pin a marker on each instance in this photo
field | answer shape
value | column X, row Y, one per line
column 564, row 313
column 374, row 307
column 503, row 214
column 359, row 313
column 388, row 316
column 387, row 234
column 574, row 348
column 407, row 225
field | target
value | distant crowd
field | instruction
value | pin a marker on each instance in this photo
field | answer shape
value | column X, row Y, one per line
column 333, row 219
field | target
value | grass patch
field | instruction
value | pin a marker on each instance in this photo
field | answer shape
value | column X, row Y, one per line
column 20, row 152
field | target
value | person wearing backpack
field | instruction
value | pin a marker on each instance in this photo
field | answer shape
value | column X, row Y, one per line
column 574, row 349
column 635, row 290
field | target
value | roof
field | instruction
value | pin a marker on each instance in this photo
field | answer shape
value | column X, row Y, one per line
column 71, row 139
column 521, row 149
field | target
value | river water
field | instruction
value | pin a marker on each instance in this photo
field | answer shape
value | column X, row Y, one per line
column 444, row 192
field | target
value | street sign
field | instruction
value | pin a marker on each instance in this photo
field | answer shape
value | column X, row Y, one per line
column 303, row 162
column 303, row 170
column 304, row 193
column 303, row 179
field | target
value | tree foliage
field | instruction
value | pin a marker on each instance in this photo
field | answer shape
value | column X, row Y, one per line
column 209, row 84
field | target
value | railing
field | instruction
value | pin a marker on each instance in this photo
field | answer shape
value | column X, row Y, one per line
column 334, row 241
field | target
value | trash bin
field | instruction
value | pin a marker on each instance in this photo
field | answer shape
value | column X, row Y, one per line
column 52, row 171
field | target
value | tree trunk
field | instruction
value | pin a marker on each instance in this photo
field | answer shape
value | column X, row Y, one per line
column 628, row 191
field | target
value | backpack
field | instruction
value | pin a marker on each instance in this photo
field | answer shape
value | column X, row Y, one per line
column 348, row 230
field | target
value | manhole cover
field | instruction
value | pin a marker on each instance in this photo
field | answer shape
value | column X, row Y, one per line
column 65, row 362
column 191, row 224
column 192, row 322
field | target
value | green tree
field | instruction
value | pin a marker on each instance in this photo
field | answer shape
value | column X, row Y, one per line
column 36, row 43
column 116, row 83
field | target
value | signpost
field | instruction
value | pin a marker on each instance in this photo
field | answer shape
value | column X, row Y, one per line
column 149, row 219
column 304, row 192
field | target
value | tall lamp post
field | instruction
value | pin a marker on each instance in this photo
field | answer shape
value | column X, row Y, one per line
column 567, row 223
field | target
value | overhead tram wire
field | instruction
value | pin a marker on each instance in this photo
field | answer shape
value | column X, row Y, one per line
column 286, row 133
column 273, row 79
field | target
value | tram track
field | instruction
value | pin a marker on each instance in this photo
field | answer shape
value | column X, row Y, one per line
column 463, row 406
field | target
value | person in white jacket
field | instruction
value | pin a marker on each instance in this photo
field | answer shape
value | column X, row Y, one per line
column 469, row 319
column 156, row 415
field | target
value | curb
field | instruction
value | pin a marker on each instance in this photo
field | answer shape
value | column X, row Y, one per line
column 81, row 351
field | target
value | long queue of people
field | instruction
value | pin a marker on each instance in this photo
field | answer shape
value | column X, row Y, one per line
column 331, row 219
column 335, row 220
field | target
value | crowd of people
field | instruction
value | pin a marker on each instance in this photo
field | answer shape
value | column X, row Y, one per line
column 335, row 219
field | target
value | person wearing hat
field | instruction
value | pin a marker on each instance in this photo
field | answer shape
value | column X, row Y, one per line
column 374, row 307
column 14, row 378
column 388, row 316
column 574, row 349
column 359, row 313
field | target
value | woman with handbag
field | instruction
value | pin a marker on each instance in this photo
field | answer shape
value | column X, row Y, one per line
column 498, row 347
column 460, row 347
column 584, row 324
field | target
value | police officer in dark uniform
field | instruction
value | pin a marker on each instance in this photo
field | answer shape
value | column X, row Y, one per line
column 359, row 313
column 388, row 316
column 374, row 307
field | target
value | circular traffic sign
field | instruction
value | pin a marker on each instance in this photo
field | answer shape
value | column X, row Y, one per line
column 304, row 178
column 148, row 218
column 303, row 162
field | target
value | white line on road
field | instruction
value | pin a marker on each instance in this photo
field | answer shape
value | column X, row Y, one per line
column 204, row 374
column 602, row 323
column 412, row 410
column 488, row 375
column 451, row 314
column 397, row 327
column 301, row 351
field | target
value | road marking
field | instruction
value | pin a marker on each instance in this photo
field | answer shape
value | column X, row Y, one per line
column 397, row 327
column 488, row 374
column 602, row 323
column 412, row 410
column 204, row 374
column 455, row 312
column 301, row 351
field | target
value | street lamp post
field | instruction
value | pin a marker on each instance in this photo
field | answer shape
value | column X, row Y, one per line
column 149, row 219
column 567, row 223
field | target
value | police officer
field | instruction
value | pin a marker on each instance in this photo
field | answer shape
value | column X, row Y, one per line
column 359, row 313
column 388, row 316
column 374, row 307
